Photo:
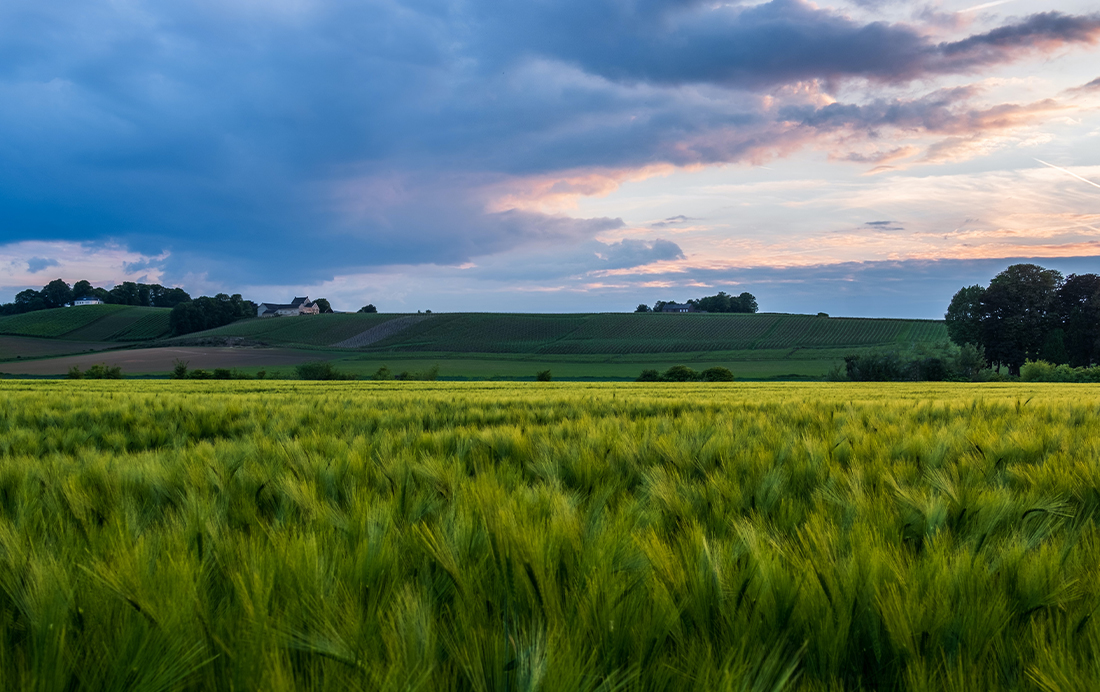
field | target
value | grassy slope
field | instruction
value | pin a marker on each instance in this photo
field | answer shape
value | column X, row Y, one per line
column 90, row 323
column 488, row 345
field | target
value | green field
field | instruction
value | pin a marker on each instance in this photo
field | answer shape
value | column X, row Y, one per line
column 414, row 536
column 608, row 346
column 90, row 323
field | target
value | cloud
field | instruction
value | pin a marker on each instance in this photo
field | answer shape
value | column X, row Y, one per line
column 309, row 138
column 37, row 264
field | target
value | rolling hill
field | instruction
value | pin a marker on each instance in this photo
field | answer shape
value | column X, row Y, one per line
column 475, row 345
column 90, row 323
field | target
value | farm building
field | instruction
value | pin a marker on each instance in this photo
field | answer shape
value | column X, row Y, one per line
column 299, row 306
column 678, row 307
column 86, row 300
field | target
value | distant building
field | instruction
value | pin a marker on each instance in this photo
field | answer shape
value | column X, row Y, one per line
column 299, row 306
column 86, row 300
column 678, row 307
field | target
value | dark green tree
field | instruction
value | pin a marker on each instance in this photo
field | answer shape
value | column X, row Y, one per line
column 29, row 301
column 81, row 289
column 642, row 308
column 964, row 316
column 57, row 293
column 1019, row 307
column 747, row 302
column 1079, row 310
column 368, row 308
column 323, row 305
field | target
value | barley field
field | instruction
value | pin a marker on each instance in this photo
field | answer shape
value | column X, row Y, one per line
column 284, row 535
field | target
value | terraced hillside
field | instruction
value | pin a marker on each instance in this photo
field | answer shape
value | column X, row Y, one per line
column 90, row 323
column 653, row 333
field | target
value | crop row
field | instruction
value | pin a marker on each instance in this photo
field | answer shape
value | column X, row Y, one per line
column 56, row 322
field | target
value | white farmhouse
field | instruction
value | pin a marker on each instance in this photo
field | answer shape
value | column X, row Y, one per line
column 86, row 300
column 299, row 306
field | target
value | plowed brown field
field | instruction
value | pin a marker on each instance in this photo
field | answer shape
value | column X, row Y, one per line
column 154, row 360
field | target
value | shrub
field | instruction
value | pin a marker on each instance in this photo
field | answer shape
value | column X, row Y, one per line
column 222, row 374
column 543, row 376
column 679, row 373
column 649, row 376
column 717, row 374
column 199, row 374
column 179, row 369
column 74, row 373
column 103, row 372
column 382, row 373
column 321, row 370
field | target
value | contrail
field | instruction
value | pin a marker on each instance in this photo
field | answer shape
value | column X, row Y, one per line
column 984, row 6
column 1059, row 168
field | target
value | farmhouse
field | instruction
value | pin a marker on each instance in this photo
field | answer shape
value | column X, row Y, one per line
column 678, row 307
column 86, row 300
column 299, row 306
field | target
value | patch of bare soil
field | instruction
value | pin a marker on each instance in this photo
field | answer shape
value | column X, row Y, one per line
column 155, row 360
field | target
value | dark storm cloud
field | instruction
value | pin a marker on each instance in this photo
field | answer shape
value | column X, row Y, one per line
column 231, row 134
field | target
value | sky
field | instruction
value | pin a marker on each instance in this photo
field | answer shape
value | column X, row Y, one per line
column 856, row 157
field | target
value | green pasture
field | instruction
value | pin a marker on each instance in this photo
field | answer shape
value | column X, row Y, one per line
column 538, row 536
column 90, row 323
column 592, row 334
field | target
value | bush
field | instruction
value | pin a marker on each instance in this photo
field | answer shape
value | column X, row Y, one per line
column 679, row 373
column 103, row 372
column 223, row 374
column 199, row 374
column 382, row 373
column 321, row 370
column 717, row 374
column 179, row 369
column 543, row 376
column 649, row 376
column 74, row 373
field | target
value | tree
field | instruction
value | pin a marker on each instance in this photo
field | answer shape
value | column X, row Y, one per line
column 29, row 301
column 57, row 294
column 1079, row 310
column 964, row 316
column 368, row 308
column 81, row 289
column 747, row 302
column 642, row 307
column 1018, row 309
column 323, row 305
column 207, row 313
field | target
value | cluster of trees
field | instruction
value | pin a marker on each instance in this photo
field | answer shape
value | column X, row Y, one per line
column 1030, row 313
column 58, row 293
column 723, row 302
column 205, row 312
column 682, row 373
column 965, row 363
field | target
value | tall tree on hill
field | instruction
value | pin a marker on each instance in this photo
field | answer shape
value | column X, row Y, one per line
column 207, row 313
column 1018, row 310
column 57, row 293
column 747, row 302
column 29, row 301
column 1079, row 310
column 323, row 305
column 82, row 288
column 964, row 316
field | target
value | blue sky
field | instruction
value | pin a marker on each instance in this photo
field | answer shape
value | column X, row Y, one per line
column 857, row 158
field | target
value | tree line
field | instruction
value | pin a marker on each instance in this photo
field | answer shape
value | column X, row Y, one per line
column 1030, row 313
column 58, row 293
column 722, row 302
